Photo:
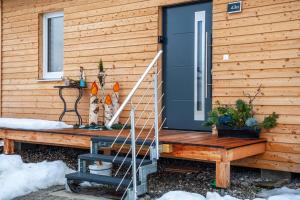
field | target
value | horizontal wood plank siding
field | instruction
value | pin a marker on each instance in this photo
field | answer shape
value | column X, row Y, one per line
column 123, row 33
column 263, row 47
column 263, row 44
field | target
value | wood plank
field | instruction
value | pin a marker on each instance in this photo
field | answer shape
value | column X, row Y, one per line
column 256, row 74
column 282, row 138
column 134, row 5
column 283, row 147
column 48, row 138
column 1, row 55
column 258, row 11
column 249, row 21
column 254, row 64
column 246, row 151
column 220, row 6
column 264, row 46
column 261, row 100
column 280, row 156
column 117, row 15
column 257, row 38
column 266, row 91
column 267, row 164
column 111, row 30
column 270, row 82
column 267, row 55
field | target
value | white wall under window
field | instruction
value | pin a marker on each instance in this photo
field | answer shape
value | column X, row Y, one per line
column 53, row 45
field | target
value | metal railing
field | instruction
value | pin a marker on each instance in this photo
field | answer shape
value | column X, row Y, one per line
column 134, row 89
column 144, row 133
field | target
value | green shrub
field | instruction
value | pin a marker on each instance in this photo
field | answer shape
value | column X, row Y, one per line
column 239, row 116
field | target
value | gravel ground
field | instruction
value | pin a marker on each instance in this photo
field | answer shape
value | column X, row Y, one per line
column 172, row 175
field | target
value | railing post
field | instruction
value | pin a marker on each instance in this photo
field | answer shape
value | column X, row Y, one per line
column 133, row 154
column 156, row 129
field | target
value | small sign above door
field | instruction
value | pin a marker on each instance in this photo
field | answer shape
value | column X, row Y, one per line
column 234, row 7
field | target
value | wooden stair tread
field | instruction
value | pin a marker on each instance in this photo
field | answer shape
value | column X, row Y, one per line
column 94, row 178
column 118, row 160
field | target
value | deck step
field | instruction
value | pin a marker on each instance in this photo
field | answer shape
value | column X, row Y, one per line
column 106, row 180
column 118, row 160
column 120, row 140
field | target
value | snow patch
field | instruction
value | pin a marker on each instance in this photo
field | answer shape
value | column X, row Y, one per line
column 18, row 178
column 283, row 193
column 32, row 124
column 178, row 195
column 1, row 143
column 216, row 196
column 275, row 194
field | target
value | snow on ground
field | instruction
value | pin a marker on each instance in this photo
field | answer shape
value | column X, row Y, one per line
column 275, row 194
column 18, row 178
column 32, row 124
column 283, row 193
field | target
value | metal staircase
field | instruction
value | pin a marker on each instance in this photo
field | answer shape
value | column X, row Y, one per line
column 136, row 150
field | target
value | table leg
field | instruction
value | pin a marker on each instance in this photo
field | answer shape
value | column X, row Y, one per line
column 76, row 106
column 65, row 104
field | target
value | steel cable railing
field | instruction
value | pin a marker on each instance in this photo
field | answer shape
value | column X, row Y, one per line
column 139, row 167
column 141, row 147
column 153, row 100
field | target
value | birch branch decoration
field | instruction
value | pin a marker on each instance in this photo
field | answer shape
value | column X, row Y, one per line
column 108, row 109
column 101, row 77
column 115, row 100
column 94, row 105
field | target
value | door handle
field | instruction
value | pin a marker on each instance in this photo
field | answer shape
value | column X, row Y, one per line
column 206, row 67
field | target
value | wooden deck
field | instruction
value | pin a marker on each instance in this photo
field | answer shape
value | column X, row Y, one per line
column 174, row 144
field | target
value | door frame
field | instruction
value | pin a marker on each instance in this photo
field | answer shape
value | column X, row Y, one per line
column 161, row 6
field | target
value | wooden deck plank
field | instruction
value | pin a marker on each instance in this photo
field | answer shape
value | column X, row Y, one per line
column 205, row 139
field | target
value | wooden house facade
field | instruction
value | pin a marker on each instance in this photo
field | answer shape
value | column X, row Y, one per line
column 258, row 46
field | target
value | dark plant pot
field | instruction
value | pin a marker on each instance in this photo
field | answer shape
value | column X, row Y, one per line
column 237, row 132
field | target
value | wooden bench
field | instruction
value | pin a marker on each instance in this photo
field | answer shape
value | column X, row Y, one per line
column 174, row 144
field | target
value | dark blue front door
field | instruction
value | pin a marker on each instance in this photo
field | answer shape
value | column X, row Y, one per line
column 187, row 66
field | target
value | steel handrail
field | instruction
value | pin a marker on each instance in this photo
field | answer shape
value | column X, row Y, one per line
column 121, row 108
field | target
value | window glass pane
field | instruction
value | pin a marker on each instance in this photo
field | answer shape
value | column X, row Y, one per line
column 200, row 68
column 55, row 44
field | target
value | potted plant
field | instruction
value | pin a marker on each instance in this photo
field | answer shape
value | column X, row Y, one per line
column 239, row 120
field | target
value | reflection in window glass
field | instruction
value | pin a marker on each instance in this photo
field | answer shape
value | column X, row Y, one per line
column 199, row 68
column 55, row 44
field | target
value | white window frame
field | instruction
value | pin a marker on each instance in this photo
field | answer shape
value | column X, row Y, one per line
column 46, row 74
column 199, row 115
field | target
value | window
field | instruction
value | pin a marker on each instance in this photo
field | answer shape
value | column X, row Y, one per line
column 53, row 45
column 200, row 66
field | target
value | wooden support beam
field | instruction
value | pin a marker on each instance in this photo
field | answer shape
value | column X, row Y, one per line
column 195, row 152
column 165, row 148
column 9, row 146
column 223, row 174
column 106, row 151
column 246, row 151
column 67, row 140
